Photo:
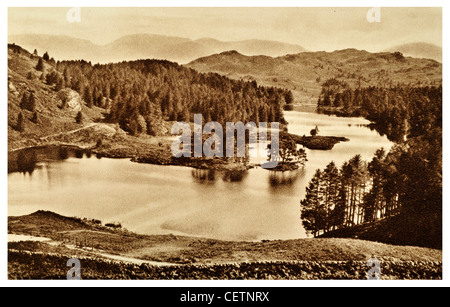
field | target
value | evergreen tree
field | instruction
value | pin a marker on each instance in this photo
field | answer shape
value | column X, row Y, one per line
column 312, row 210
column 59, row 84
column 20, row 123
column 28, row 102
column 35, row 118
column 40, row 65
column 289, row 97
column 24, row 101
column 88, row 97
column 79, row 117
column 332, row 189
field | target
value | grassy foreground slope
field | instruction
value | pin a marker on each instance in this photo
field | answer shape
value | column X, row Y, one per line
column 115, row 253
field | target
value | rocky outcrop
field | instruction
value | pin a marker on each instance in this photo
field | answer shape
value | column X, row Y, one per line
column 70, row 99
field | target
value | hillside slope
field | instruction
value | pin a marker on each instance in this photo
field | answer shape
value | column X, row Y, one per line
column 51, row 117
column 305, row 72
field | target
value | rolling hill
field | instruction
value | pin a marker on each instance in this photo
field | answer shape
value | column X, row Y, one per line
column 419, row 50
column 304, row 73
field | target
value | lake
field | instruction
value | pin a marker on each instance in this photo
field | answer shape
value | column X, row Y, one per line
column 152, row 199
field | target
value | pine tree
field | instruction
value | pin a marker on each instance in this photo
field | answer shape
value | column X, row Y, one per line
column 374, row 201
column 354, row 180
column 24, row 101
column 59, row 84
column 28, row 102
column 40, row 65
column 312, row 213
column 35, row 118
column 79, row 117
column 31, row 106
column 20, row 123
column 331, row 178
column 289, row 98
column 88, row 97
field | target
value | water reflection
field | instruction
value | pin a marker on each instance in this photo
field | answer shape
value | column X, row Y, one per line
column 204, row 175
column 234, row 175
column 25, row 163
column 279, row 178
column 210, row 176
column 27, row 160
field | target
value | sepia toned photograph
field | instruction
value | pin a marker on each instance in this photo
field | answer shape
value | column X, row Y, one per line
column 224, row 143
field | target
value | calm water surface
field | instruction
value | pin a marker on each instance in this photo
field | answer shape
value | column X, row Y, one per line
column 252, row 205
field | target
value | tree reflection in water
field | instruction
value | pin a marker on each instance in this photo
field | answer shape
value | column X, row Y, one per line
column 204, row 175
column 25, row 163
column 28, row 159
column 210, row 176
column 234, row 175
column 279, row 178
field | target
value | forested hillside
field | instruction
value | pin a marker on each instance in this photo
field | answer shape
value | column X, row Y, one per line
column 140, row 96
column 399, row 112
column 139, row 92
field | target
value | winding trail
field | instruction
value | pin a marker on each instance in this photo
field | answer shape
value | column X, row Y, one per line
column 47, row 137
column 70, row 131
column 21, row 238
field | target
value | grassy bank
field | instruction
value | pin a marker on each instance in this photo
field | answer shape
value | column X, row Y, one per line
column 148, row 256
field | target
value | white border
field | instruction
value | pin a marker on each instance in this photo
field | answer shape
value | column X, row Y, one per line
column 229, row 3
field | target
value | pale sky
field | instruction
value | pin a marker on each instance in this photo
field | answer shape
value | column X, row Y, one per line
column 313, row 28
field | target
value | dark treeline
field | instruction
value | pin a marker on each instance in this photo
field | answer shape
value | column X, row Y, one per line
column 137, row 93
column 358, row 192
column 397, row 111
column 405, row 182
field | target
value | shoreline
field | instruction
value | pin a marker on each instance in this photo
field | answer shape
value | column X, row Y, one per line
column 156, row 150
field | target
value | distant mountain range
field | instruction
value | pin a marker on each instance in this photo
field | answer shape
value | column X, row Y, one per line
column 304, row 73
column 139, row 46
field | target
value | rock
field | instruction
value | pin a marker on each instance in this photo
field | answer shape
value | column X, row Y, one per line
column 71, row 99
column 12, row 89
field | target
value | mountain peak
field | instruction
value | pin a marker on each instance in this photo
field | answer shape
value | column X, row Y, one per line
column 230, row 52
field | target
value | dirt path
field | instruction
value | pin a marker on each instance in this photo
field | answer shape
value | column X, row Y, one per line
column 107, row 129
column 69, row 132
column 93, row 252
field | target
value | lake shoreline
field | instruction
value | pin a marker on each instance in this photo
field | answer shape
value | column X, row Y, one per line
column 157, row 151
